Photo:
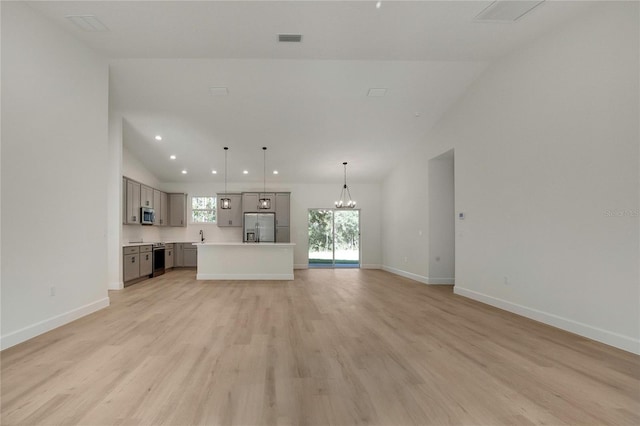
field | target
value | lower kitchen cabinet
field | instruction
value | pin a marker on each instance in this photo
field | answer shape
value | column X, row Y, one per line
column 178, row 255
column 168, row 256
column 137, row 261
column 146, row 261
column 190, row 256
column 131, row 267
column 185, row 255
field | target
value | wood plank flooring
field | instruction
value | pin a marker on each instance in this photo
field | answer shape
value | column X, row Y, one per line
column 340, row 347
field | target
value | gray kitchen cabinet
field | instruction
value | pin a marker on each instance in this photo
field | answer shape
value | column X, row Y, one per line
column 178, row 255
column 146, row 260
column 156, row 207
column 131, row 263
column 283, row 234
column 132, row 202
column 190, row 255
column 282, row 208
column 163, row 211
column 250, row 201
column 177, row 209
column 232, row 216
column 168, row 256
column 146, row 196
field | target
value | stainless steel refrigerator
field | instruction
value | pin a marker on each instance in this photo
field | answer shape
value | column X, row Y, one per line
column 259, row 228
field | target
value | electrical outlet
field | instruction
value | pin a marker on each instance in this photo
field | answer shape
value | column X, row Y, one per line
column 405, row 259
column 506, row 280
column 52, row 290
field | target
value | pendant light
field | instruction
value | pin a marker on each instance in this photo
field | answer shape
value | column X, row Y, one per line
column 225, row 203
column 264, row 203
column 343, row 203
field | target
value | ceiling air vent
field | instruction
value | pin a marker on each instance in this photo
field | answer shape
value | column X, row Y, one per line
column 507, row 10
column 289, row 38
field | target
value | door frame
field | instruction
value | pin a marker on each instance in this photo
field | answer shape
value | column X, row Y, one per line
column 333, row 228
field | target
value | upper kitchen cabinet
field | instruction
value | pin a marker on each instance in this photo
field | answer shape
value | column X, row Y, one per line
column 250, row 201
column 160, row 207
column 177, row 209
column 282, row 208
column 146, row 196
column 131, row 202
column 163, row 211
column 232, row 216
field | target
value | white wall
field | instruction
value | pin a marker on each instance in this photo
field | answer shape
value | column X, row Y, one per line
column 546, row 147
column 54, row 167
column 134, row 169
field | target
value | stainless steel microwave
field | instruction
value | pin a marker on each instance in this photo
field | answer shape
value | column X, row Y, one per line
column 146, row 215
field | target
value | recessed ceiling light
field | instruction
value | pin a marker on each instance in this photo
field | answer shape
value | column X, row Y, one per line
column 219, row 91
column 88, row 23
column 173, row 157
column 246, row 172
column 275, row 172
column 378, row 5
column 158, row 137
column 184, row 172
column 377, row 92
column 214, row 172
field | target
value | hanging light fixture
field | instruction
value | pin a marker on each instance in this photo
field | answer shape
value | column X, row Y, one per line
column 343, row 203
column 225, row 203
column 264, row 203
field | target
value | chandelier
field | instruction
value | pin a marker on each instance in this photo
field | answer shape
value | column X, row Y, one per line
column 225, row 202
column 343, row 202
column 264, row 203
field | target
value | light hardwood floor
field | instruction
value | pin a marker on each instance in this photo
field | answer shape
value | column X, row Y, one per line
column 335, row 347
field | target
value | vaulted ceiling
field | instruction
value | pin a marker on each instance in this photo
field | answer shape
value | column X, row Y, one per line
column 307, row 102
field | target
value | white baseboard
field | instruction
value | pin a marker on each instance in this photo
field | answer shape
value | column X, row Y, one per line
column 370, row 266
column 280, row 277
column 410, row 275
column 118, row 285
column 41, row 327
column 301, row 266
column 441, row 281
column 604, row 336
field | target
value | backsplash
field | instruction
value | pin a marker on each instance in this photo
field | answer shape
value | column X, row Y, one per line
column 212, row 233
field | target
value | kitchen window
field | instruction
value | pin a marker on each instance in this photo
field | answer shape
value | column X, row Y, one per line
column 203, row 209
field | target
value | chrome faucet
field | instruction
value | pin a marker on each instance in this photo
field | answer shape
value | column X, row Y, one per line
column 201, row 236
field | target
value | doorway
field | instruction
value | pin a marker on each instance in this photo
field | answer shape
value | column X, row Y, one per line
column 442, row 219
column 334, row 238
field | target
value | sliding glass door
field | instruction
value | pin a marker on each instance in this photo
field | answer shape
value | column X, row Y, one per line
column 334, row 238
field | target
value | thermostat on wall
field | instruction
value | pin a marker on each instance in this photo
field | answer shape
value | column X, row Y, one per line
column 461, row 215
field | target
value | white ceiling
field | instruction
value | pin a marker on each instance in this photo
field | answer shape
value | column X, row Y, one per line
column 306, row 102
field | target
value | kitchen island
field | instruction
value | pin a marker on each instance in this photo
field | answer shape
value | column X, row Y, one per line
column 245, row 261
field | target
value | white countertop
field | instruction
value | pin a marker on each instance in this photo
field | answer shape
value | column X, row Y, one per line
column 153, row 242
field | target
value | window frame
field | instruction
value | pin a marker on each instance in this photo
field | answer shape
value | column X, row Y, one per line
column 192, row 219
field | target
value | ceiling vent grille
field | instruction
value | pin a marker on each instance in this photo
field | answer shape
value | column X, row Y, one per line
column 289, row 38
column 507, row 10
